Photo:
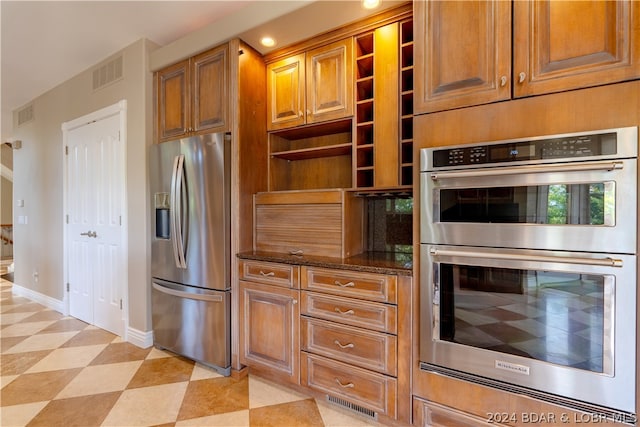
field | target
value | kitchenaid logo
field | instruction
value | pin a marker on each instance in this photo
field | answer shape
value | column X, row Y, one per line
column 520, row 369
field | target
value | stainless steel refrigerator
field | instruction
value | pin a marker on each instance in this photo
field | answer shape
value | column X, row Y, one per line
column 190, row 249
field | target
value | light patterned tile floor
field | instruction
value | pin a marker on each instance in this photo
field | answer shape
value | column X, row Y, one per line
column 59, row 371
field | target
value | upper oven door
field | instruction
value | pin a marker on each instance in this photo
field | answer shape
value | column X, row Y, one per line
column 581, row 206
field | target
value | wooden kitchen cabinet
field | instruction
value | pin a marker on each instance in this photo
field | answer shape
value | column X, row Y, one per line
column 192, row 96
column 173, row 106
column 270, row 319
column 563, row 45
column 463, row 50
column 351, row 338
column 311, row 87
column 340, row 107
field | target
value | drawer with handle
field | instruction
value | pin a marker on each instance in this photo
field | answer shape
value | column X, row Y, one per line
column 360, row 386
column 350, row 311
column 367, row 349
column 369, row 286
column 269, row 273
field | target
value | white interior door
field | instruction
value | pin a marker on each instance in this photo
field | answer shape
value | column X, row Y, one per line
column 95, row 195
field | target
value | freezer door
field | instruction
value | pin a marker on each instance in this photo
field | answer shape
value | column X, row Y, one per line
column 190, row 190
column 193, row 322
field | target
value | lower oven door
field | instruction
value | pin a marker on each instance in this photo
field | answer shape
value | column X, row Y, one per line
column 556, row 322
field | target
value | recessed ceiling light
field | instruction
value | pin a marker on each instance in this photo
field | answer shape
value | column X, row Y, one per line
column 370, row 4
column 268, row 42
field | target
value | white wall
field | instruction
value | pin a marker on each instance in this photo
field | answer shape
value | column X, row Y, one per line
column 38, row 179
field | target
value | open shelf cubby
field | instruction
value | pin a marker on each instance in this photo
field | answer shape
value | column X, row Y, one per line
column 311, row 157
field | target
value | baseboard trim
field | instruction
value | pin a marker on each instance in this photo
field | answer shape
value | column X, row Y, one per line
column 134, row 336
column 47, row 301
column 139, row 338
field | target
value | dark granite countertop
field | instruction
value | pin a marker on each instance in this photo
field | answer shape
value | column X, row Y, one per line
column 371, row 262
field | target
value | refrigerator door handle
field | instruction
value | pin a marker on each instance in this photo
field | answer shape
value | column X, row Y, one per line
column 188, row 295
column 176, row 213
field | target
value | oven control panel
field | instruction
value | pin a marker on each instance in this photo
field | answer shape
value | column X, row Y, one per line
column 570, row 147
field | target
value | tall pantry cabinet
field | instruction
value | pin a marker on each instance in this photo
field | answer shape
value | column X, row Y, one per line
column 222, row 90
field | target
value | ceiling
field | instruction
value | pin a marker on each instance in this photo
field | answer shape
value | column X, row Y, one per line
column 44, row 43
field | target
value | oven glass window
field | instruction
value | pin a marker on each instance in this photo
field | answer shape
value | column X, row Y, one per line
column 586, row 204
column 562, row 318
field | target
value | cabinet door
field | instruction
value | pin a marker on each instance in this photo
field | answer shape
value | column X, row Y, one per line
column 329, row 82
column 211, row 90
column 561, row 45
column 285, row 92
column 462, row 53
column 270, row 330
column 173, row 106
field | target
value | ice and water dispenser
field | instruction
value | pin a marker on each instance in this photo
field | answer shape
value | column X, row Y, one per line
column 162, row 207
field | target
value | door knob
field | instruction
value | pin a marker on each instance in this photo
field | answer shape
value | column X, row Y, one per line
column 89, row 234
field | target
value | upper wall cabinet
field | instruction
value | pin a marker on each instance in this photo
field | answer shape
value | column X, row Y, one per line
column 563, row 45
column 463, row 51
column 311, row 87
column 193, row 95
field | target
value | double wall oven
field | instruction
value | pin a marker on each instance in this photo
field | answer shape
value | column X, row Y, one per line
column 528, row 266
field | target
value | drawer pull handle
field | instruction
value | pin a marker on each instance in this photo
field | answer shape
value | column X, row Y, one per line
column 344, row 312
column 269, row 274
column 347, row 385
column 350, row 345
column 299, row 252
column 344, row 285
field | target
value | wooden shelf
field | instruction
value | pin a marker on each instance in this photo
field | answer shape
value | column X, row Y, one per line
column 315, row 152
column 313, row 130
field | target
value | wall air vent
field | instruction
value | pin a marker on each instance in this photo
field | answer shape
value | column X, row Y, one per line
column 108, row 73
column 25, row 115
column 353, row 407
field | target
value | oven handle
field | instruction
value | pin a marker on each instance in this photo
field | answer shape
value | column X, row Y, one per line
column 577, row 167
column 604, row 262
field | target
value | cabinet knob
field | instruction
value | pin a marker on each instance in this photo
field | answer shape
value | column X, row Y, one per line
column 503, row 81
column 521, row 77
